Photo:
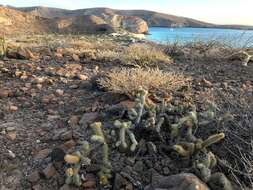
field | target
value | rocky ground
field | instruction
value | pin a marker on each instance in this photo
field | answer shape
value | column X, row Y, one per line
column 47, row 102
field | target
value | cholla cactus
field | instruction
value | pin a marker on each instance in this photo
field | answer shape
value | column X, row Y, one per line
column 2, row 47
column 77, row 159
column 188, row 121
column 73, row 176
column 124, row 128
column 136, row 113
column 105, row 170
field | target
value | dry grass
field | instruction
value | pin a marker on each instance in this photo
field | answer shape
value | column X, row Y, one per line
column 213, row 50
column 128, row 81
column 138, row 55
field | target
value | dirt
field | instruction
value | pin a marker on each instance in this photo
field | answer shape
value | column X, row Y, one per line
column 44, row 94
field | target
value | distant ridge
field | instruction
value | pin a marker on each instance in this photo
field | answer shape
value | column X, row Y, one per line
column 154, row 19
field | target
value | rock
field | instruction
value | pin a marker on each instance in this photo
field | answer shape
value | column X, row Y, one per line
column 73, row 121
column 206, row 83
column 66, row 135
column 75, row 57
column 20, row 53
column 10, row 154
column 67, row 187
column 68, row 145
column 59, row 92
column 219, row 181
column 49, row 171
column 89, row 181
column 121, row 183
column 183, row 181
column 82, row 77
column 34, row 177
column 57, row 155
column 130, row 23
column 47, row 99
column 37, row 187
column 11, row 135
column 88, row 118
column 13, row 108
column 42, row 154
column 4, row 93
column 73, row 67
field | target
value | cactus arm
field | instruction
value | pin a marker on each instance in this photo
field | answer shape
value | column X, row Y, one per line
column 213, row 139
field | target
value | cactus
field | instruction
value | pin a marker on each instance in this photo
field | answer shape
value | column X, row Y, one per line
column 136, row 113
column 105, row 170
column 2, row 47
column 73, row 176
column 213, row 139
column 124, row 128
column 77, row 159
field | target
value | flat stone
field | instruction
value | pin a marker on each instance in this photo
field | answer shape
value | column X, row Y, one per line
column 42, row 154
column 34, row 177
column 49, row 171
column 88, row 118
column 4, row 93
column 66, row 135
column 37, row 187
column 183, row 181
column 11, row 135
column 73, row 121
column 89, row 182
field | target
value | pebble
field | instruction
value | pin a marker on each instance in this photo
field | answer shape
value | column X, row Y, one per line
column 59, row 92
column 34, row 177
column 13, row 108
column 4, row 93
column 82, row 77
column 42, row 154
column 49, row 171
column 11, row 135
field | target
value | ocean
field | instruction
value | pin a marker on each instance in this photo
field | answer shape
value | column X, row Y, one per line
column 231, row 37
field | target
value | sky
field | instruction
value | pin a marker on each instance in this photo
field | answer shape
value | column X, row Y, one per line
column 213, row 11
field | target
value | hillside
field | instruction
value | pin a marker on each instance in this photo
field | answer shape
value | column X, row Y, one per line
column 32, row 22
column 152, row 18
column 14, row 22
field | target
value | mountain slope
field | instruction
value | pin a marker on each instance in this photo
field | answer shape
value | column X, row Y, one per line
column 151, row 17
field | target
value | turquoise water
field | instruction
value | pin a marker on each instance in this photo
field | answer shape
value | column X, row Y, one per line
column 232, row 37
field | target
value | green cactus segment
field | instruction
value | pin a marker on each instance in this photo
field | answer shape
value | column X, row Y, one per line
column 105, row 170
column 124, row 128
column 2, row 47
column 73, row 176
column 213, row 139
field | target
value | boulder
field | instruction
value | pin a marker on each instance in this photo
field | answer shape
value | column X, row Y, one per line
column 183, row 181
column 130, row 23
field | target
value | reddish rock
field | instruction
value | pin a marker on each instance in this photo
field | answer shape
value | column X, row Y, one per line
column 4, row 93
column 49, row 171
column 42, row 154
column 89, row 182
column 68, row 145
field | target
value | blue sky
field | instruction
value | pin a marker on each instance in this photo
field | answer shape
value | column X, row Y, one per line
column 215, row 11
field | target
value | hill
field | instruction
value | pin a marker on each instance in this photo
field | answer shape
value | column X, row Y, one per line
column 151, row 17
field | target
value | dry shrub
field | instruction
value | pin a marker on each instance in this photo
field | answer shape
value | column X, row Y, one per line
column 138, row 55
column 128, row 81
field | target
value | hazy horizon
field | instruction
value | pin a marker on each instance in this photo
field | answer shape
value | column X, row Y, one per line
column 215, row 11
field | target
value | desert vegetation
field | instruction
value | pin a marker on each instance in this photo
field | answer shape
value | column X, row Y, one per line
column 117, row 112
